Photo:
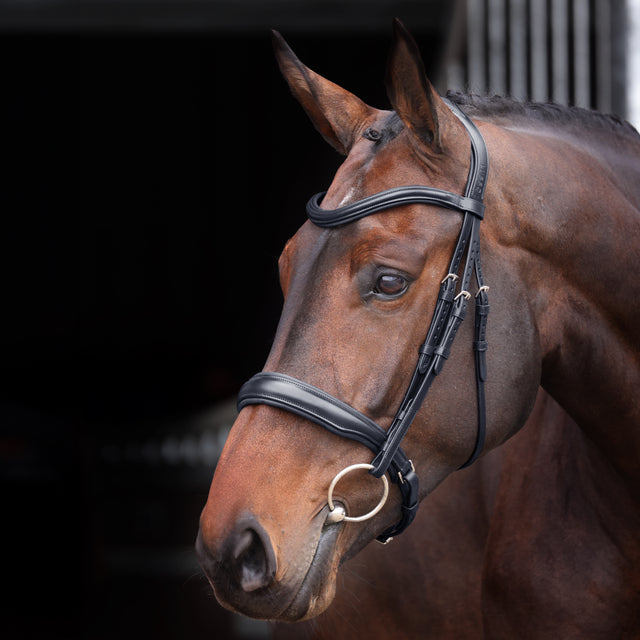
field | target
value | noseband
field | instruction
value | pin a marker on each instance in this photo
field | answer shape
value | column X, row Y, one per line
column 305, row 400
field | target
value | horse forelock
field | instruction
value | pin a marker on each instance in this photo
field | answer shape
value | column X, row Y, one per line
column 507, row 108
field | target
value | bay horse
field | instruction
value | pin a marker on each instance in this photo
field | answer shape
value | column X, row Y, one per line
column 557, row 192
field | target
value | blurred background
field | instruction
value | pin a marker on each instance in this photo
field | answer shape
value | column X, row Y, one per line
column 153, row 166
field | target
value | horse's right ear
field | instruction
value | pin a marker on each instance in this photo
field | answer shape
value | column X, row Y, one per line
column 337, row 114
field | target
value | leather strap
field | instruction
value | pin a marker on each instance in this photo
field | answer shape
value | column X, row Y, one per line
column 303, row 399
column 448, row 315
column 396, row 197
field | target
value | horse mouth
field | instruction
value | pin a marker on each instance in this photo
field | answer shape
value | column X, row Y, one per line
column 317, row 589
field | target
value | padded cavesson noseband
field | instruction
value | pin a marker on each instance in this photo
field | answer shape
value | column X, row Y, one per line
column 307, row 401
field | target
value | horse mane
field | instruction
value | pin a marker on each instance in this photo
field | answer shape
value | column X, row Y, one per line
column 499, row 108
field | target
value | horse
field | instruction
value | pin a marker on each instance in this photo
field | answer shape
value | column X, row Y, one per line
column 549, row 197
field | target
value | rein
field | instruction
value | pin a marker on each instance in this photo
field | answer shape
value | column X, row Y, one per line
column 301, row 398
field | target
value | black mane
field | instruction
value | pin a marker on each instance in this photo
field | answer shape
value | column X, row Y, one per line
column 500, row 107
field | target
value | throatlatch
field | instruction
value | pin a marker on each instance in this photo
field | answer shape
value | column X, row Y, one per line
column 307, row 401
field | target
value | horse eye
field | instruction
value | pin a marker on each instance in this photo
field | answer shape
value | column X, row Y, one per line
column 391, row 285
column 372, row 134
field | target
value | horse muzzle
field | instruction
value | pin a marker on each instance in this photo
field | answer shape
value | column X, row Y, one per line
column 249, row 577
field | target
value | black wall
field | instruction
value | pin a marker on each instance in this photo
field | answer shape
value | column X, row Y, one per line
column 148, row 184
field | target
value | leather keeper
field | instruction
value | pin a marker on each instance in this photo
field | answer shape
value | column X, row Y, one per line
column 426, row 349
column 482, row 309
column 481, row 365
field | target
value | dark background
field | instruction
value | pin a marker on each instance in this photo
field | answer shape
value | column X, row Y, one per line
column 150, row 176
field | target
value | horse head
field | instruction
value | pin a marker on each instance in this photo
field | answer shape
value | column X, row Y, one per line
column 358, row 298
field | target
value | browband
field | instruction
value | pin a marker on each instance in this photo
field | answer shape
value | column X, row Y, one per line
column 303, row 399
column 414, row 194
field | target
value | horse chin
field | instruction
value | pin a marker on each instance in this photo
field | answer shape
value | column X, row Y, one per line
column 318, row 586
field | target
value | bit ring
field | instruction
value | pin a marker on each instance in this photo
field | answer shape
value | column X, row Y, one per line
column 337, row 514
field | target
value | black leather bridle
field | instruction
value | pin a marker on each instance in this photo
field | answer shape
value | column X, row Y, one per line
column 303, row 399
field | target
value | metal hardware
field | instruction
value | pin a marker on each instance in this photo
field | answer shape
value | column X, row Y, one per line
column 401, row 477
column 337, row 513
column 466, row 295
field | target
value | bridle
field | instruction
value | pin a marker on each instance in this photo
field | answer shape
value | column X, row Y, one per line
column 305, row 400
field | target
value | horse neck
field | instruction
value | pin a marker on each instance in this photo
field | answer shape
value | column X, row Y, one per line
column 572, row 223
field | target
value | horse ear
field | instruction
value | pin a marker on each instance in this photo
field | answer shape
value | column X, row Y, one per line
column 411, row 94
column 335, row 113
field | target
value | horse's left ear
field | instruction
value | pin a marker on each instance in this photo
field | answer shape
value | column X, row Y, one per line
column 411, row 94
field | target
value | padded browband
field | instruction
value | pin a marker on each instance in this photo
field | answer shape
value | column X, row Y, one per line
column 396, row 197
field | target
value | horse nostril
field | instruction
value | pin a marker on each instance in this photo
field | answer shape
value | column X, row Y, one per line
column 252, row 558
